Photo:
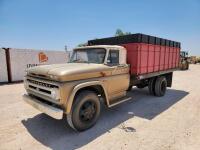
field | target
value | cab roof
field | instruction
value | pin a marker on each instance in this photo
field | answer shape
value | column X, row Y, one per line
column 100, row 46
column 122, row 50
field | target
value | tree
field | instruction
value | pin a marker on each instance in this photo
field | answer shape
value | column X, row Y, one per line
column 82, row 44
column 119, row 32
column 85, row 44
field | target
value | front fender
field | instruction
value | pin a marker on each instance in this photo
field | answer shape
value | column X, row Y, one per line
column 80, row 86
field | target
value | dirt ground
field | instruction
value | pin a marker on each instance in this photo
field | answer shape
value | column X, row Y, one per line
column 171, row 122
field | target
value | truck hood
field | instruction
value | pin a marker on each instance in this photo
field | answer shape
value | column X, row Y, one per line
column 70, row 71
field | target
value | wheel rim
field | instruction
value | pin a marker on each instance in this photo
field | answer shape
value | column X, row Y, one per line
column 87, row 111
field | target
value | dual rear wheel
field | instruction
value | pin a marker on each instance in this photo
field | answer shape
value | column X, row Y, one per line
column 157, row 86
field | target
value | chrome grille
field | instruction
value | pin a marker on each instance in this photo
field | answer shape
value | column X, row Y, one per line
column 42, row 83
column 42, row 89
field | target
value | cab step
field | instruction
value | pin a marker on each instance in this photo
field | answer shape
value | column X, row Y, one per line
column 119, row 101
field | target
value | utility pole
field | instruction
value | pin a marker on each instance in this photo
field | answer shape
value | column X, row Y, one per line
column 66, row 48
column 67, row 51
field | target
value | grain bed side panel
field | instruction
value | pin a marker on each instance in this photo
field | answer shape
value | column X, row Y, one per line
column 148, row 58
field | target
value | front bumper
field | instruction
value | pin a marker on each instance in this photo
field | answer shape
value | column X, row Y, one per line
column 43, row 107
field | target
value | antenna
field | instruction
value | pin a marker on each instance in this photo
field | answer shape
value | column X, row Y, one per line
column 67, row 51
column 66, row 48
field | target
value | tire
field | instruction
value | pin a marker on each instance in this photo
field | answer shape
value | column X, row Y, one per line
column 141, row 86
column 187, row 65
column 160, row 86
column 151, row 86
column 130, row 88
column 85, row 111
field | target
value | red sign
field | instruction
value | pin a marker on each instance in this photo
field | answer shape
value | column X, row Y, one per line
column 42, row 57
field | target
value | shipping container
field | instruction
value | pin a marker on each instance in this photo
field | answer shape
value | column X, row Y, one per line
column 3, row 66
column 14, row 62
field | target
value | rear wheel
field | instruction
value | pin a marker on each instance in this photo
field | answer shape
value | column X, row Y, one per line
column 151, row 86
column 85, row 111
column 160, row 86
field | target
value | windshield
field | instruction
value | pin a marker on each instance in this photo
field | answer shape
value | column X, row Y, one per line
column 184, row 54
column 89, row 55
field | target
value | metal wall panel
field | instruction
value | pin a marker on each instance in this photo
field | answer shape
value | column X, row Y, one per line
column 21, row 59
column 3, row 67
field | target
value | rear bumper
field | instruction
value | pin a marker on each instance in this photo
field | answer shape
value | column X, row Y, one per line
column 45, row 108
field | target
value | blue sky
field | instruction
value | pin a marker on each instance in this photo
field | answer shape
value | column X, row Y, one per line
column 51, row 24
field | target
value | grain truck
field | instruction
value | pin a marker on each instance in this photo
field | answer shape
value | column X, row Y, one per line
column 103, row 72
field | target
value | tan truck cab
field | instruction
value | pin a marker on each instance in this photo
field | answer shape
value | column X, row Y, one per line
column 75, row 89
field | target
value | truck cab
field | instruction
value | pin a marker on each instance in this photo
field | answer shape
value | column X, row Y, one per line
column 75, row 89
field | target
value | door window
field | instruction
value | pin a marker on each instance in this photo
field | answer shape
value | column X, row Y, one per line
column 113, row 57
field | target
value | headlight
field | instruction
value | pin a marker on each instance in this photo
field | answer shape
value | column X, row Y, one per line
column 25, row 83
column 53, row 77
column 26, row 73
column 55, row 94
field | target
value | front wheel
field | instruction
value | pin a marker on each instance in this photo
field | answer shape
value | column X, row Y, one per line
column 85, row 111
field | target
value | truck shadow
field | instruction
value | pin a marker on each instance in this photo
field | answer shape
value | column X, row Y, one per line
column 57, row 135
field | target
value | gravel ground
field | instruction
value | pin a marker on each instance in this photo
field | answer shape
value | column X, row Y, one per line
column 168, row 123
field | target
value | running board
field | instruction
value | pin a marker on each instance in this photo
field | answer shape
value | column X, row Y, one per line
column 119, row 101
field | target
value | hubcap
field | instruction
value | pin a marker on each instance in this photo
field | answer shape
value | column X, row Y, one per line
column 87, row 111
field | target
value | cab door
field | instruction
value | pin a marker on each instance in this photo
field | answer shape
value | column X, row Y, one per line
column 118, row 82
